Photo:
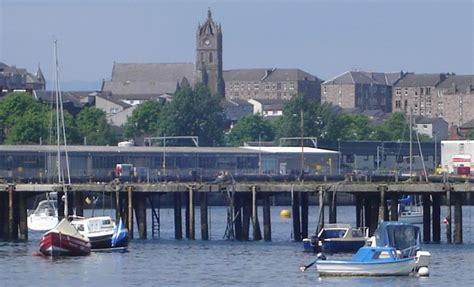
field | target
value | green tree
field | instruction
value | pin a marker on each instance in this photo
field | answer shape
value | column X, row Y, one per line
column 144, row 120
column 395, row 128
column 319, row 121
column 23, row 119
column 356, row 127
column 194, row 112
column 470, row 134
column 251, row 128
column 92, row 124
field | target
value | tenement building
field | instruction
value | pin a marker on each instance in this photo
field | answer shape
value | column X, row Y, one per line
column 270, row 84
column 360, row 90
column 436, row 95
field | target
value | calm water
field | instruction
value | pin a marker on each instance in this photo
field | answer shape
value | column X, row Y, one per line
column 166, row 261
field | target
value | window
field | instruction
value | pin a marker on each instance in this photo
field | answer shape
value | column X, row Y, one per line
column 428, row 91
column 398, row 91
column 350, row 158
column 324, row 90
column 256, row 86
column 210, row 57
column 278, row 86
column 425, row 127
column 398, row 104
column 292, row 86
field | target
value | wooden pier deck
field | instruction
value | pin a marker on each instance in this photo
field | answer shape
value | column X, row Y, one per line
column 242, row 199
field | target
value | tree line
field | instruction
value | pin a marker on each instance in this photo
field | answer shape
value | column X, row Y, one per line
column 194, row 112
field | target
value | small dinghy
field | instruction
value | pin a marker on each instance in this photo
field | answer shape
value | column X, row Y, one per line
column 64, row 240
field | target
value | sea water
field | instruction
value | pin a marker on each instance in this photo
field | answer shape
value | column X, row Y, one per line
column 166, row 261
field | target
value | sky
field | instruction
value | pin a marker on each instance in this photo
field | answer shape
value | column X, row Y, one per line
column 324, row 38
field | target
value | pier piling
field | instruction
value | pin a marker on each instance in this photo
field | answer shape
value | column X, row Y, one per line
column 295, row 210
column 267, row 227
column 130, row 211
column 304, row 214
column 246, row 201
column 23, row 217
column 140, row 214
column 191, row 224
column 257, row 235
column 359, row 206
column 436, row 218
column 394, row 207
column 178, row 229
column 333, row 207
column 458, row 218
column 426, row 218
column 449, row 237
column 204, row 217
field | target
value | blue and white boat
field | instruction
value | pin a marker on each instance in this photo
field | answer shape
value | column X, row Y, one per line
column 103, row 233
column 369, row 261
column 406, row 239
column 337, row 238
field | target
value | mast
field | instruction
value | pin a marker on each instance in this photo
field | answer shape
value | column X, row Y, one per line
column 411, row 152
column 61, row 135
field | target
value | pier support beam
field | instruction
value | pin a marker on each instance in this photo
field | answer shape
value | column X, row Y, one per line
column 394, row 207
column 23, row 217
column 140, row 214
column 11, row 214
column 246, row 200
column 79, row 203
column 178, row 229
column 304, row 214
column 130, row 211
column 382, row 204
column 449, row 237
column 190, row 214
column 238, row 217
column 295, row 210
column 458, row 218
column 321, row 210
column 426, row 218
column 204, row 218
column 257, row 234
column 333, row 207
column 359, row 202
column 267, row 226
column 436, row 218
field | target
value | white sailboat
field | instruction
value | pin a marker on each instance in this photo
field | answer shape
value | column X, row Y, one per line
column 63, row 239
column 45, row 215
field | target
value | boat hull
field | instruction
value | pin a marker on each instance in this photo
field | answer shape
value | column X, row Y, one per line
column 42, row 223
column 401, row 267
column 57, row 244
column 105, row 241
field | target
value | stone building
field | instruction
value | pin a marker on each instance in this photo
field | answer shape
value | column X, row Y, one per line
column 270, row 84
column 360, row 90
column 454, row 99
column 15, row 79
column 417, row 93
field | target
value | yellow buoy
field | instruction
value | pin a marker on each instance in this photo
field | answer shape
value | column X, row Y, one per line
column 285, row 213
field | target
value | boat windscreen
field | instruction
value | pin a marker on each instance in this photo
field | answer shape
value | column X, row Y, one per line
column 399, row 236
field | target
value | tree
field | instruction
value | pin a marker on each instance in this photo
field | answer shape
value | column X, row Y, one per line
column 144, row 120
column 92, row 124
column 194, row 112
column 251, row 128
column 319, row 121
column 23, row 119
column 470, row 134
column 395, row 128
column 356, row 127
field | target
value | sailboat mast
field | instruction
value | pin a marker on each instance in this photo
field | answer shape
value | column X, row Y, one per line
column 411, row 140
column 60, row 128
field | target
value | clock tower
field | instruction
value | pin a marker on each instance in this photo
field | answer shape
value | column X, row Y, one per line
column 209, row 55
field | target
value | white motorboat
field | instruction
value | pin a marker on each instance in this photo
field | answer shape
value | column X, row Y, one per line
column 368, row 261
column 410, row 210
column 101, row 230
column 44, row 217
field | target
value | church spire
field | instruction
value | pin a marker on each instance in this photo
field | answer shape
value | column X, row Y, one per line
column 209, row 13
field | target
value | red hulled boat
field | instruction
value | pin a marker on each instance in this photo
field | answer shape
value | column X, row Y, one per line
column 64, row 240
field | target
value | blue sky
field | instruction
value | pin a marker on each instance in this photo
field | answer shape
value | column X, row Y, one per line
column 324, row 38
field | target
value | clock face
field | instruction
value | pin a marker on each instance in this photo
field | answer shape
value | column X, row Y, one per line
column 207, row 42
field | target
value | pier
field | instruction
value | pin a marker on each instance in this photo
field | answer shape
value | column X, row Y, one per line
column 374, row 201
